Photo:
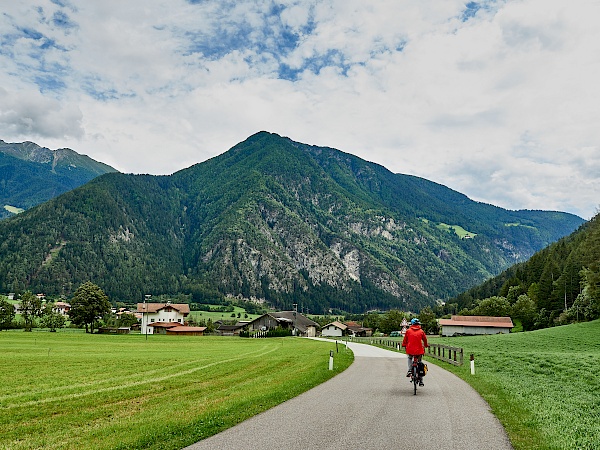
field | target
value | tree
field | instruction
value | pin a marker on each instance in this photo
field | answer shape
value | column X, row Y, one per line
column 7, row 314
column 428, row 320
column 210, row 326
column 392, row 321
column 31, row 307
column 127, row 320
column 372, row 320
column 52, row 319
column 525, row 310
column 587, row 304
column 494, row 306
column 88, row 305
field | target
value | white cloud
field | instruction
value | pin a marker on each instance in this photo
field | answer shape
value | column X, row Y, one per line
column 31, row 115
column 498, row 100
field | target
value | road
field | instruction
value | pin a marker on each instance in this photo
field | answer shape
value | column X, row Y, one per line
column 371, row 406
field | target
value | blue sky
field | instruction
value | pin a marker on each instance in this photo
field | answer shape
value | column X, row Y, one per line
column 496, row 99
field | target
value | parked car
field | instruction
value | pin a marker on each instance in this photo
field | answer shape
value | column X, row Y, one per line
column 396, row 334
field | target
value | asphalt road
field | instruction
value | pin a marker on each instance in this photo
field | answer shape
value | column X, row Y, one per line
column 371, row 406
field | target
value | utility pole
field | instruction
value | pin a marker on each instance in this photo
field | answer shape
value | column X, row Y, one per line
column 145, row 311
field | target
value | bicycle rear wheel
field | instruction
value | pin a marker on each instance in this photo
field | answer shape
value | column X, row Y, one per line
column 415, row 379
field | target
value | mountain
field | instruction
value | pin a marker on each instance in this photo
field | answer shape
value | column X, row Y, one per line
column 30, row 174
column 553, row 278
column 271, row 220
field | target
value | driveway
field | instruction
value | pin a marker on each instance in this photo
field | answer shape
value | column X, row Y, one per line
column 371, row 406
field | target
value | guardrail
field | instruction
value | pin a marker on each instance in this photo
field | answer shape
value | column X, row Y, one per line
column 452, row 355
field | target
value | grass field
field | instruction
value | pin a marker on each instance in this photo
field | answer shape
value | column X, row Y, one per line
column 544, row 385
column 460, row 231
column 13, row 209
column 214, row 315
column 75, row 390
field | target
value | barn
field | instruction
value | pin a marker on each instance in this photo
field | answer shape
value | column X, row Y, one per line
column 475, row 325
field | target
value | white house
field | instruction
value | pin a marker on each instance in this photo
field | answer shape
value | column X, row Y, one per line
column 333, row 329
column 62, row 308
column 473, row 325
column 161, row 313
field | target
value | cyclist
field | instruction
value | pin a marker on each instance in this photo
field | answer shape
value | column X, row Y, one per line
column 415, row 341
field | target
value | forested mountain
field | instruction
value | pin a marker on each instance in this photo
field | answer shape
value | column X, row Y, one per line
column 553, row 278
column 271, row 220
column 30, row 174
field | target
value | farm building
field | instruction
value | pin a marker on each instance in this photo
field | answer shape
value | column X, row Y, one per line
column 154, row 314
column 287, row 320
column 473, row 325
column 186, row 331
column 161, row 327
column 232, row 330
column 356, row 329
column 334, row 329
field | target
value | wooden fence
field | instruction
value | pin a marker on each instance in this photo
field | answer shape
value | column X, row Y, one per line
column 452, row 355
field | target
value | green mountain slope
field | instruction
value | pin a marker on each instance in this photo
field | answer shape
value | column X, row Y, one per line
column 552, row 277
column 270, row 220
column 30, row 174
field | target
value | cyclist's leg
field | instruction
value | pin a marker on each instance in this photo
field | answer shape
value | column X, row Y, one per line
column 410, row 363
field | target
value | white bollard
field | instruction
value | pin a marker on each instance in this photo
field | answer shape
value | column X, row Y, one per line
column 472, row 364
column 330, row 359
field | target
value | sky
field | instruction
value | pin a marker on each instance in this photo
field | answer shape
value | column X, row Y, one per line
column 499, row 100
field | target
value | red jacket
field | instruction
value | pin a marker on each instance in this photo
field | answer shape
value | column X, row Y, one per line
column 415, row 340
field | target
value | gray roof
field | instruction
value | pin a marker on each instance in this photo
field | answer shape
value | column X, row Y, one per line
column 301, row 322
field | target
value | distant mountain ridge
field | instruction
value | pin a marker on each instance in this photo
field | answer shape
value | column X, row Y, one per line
column 30, row 174
column 272, row 220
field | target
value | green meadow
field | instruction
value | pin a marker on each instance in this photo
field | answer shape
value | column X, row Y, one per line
column 218, row 315
column 543, row 385
column 75, row 390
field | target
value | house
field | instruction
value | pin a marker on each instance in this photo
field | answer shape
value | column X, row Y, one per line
column 162, row 327
column 474, row 325
column 288, row 320
column 62, row 308
column 158, row 317
column 356, row 329
column 186, row 331
column 334, row 329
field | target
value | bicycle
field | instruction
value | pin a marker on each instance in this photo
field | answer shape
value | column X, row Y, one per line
column 415, row 374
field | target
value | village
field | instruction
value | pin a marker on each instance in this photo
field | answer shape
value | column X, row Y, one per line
column 170, row 318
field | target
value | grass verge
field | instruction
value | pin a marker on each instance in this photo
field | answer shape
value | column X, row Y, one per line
column 544, row 386
column 73, row 391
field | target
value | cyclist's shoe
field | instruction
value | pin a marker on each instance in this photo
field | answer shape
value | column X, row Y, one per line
column 421, row 383
column 408, row 374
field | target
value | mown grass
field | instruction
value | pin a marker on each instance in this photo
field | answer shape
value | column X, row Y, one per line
column 218, row 315
column 544, row 386
column 73, row 391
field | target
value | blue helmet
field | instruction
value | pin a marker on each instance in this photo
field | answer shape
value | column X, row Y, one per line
column 415, row 321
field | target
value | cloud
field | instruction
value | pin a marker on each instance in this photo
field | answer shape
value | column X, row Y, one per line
column 495, row 99
column 30, row 115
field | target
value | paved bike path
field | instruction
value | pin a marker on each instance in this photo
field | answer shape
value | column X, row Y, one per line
column 371, row 406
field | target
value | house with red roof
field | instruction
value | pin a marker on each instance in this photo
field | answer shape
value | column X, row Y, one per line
column 159, row 317
column 475, row 325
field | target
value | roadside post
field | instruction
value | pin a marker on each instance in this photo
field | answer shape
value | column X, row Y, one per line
column 472, row 364
column 330, row 359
